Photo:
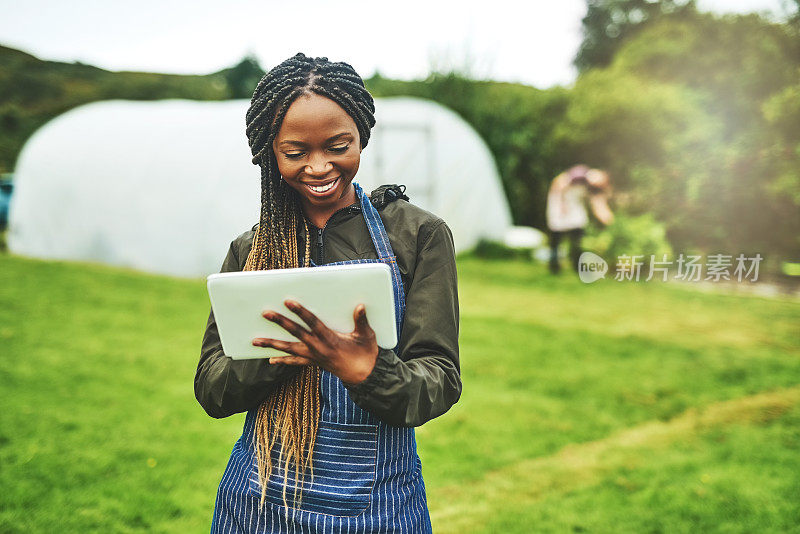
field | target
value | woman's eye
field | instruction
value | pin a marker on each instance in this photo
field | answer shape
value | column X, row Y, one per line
column 339, row 149
column 294, row 155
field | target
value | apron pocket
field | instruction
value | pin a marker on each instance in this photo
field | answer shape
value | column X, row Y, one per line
column 345, row 458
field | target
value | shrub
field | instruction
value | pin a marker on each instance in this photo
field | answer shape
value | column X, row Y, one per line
column 494, row 250
column 631, row 235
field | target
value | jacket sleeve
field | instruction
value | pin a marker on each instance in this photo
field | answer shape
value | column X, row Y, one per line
column 224, row 386
column 424, row 381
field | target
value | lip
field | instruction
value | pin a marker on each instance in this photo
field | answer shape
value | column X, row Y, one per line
column 317, row 184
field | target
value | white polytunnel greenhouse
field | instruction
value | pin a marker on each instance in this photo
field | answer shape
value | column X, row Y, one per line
column 165, row 186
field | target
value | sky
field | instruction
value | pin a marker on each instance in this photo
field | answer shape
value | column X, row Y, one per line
column 531, row 41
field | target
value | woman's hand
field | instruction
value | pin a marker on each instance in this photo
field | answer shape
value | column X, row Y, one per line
column 349, row 356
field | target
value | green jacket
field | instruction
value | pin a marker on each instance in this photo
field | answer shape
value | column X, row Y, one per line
column 411, row 387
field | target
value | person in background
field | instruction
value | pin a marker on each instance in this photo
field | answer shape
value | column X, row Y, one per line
column 566, row 209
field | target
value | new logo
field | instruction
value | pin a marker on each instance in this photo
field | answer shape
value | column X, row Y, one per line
column 591, row 267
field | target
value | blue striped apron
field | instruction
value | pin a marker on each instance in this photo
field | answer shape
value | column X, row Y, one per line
column 367, row 475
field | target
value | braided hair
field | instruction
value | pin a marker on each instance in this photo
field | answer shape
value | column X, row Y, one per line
column 290, row 414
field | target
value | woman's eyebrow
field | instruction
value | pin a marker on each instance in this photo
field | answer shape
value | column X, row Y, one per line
column 337, row 136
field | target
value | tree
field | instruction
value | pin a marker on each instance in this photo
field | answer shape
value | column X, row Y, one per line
column 243, row 77
column 793, row 17
column 609, row 23
column 697, row 120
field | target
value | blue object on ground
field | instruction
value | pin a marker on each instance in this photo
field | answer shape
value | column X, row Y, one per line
column 6, row 188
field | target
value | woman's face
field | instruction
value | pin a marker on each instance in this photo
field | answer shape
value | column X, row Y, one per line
column 318, row 150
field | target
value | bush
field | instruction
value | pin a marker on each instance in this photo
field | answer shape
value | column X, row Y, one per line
column 494, row 250
column 630, row 235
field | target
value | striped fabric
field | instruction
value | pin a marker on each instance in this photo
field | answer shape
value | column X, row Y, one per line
column 367, row 475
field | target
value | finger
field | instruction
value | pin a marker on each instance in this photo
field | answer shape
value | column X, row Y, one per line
column 289, row 347
column 363, row 328
column 287, row 324
column 313, row 322
column 291, row 360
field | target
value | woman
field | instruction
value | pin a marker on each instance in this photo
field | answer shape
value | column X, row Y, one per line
column 328, row 441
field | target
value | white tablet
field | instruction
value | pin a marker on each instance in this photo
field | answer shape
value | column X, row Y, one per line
column 330, row 292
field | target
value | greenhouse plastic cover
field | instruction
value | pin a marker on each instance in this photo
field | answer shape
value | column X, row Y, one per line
column 165, row 186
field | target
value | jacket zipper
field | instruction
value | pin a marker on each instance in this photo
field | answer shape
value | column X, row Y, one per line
column 320, row 242
column 320, row 246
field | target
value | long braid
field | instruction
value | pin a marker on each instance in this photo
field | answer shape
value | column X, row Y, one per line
column 289, row 418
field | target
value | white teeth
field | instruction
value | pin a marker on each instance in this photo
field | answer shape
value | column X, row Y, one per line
column 323, row 188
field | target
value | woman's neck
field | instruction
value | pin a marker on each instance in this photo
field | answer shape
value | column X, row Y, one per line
column 319, row 215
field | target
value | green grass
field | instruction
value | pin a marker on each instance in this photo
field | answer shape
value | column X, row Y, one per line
column 608, row 407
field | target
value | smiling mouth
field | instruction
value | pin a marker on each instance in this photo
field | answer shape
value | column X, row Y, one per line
column 320, row 189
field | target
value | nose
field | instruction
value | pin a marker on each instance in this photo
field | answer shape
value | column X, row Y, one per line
column 318, row 165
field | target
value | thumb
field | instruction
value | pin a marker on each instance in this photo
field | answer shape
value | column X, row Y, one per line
column 362, row 325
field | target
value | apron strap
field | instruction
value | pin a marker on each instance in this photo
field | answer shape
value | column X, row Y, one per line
column 374, row 225
column 384, row 249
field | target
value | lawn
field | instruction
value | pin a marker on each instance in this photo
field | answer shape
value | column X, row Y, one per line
column 611, row 407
